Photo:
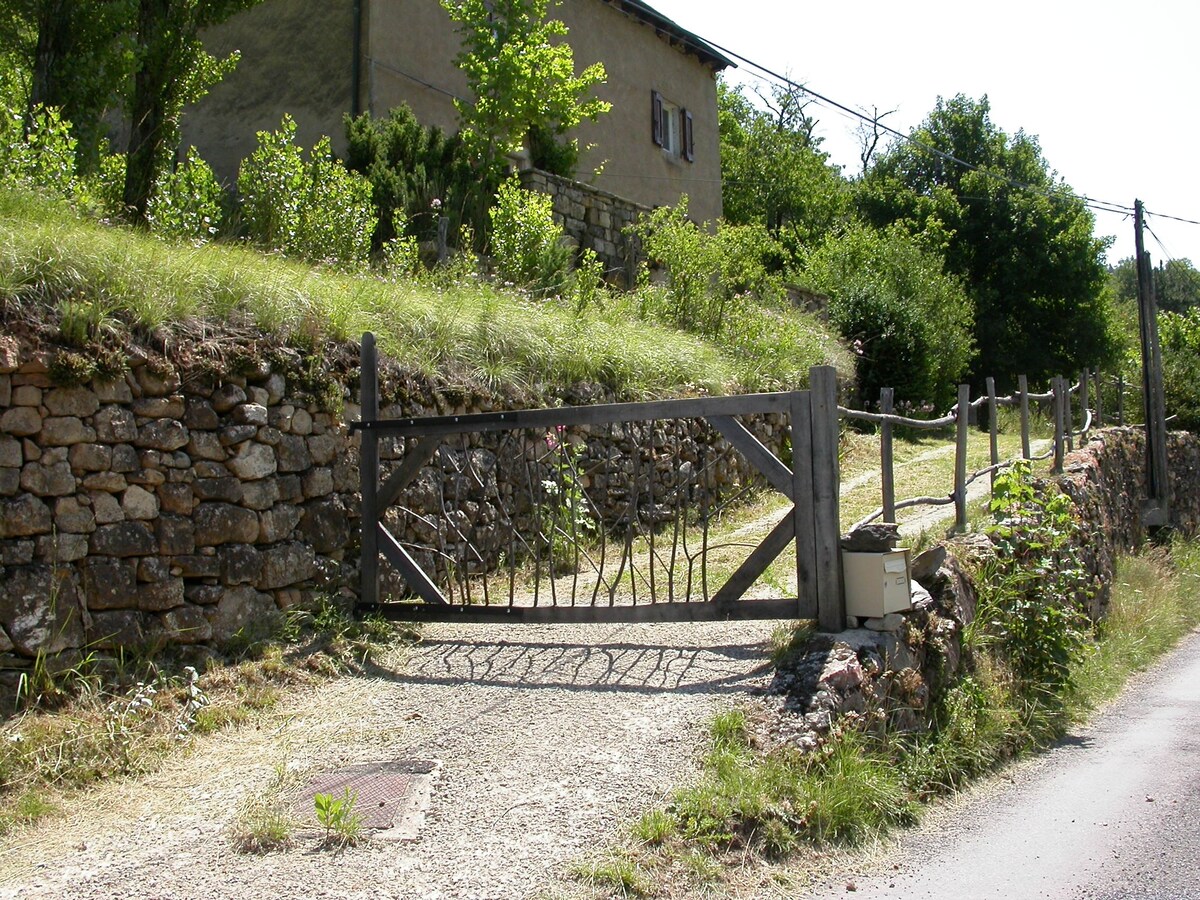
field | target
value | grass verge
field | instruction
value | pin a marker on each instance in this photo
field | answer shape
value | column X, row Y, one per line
column 768, row 807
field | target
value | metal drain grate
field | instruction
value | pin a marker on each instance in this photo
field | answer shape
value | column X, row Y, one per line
column 390, row 796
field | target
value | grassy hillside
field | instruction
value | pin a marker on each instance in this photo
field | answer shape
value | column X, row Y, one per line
column 67, row 279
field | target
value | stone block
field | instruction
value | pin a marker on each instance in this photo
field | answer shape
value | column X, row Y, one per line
column 54, row 480
column 177, row 498
column 125, row 458
column 176, row 535
column 194, row 565
column 325, row 525
column 116, row 629
column 302, row 422
column 115, row 425
column 268, row 435
column 58, row 548
column 106, row 508
column 240, row 564
column 160, row 595
column 223, row 523
column 249, row 414
column 24, row 516
column 72, row 517
column 91, row 458
column 21, row 421
column 122, row 540
column 186, row 625
column 290, row 489
column 153, row 569
column 40, row 609
column 110, row 482
column 62, row 431
column 10, row 482
column 115, row 390
column 139, row 503
column 286, row 565
column 159, row 407
column 204, row 594
column 156, row 381
column 72, row 401
column 109, row 583
column 162, row 434
column 200, row 415
column 10, row 452
column 226, row 397
column 207, row 445
column 253, row 461
column 232, row 435
column 276, row 524
column 16, row 553
column 27, row 395
column 323, row 448
column 246, row 613
column 293, row 453
column 317, row 483
column 226, row 490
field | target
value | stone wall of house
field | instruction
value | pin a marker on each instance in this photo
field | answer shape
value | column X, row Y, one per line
column 594, row 220
column 163, row 508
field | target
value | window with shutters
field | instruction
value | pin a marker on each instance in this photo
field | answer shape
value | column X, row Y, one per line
column 671, row 127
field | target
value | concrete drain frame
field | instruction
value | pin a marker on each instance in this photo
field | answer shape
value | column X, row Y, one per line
column 391, row 796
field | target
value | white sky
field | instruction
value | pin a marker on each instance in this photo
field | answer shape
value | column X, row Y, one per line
column 1107, row 87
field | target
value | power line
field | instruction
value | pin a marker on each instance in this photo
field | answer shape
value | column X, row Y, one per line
column 771, row 75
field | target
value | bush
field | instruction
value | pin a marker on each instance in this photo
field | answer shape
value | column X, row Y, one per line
column 187, row 201
column 417, row 174
column 711, row 278
column 1179, row 336
column 312, row 209
column 40, row 154
column 910, row 324
column 527, row 244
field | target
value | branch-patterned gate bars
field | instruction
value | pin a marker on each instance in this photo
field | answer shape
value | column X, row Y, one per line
column 584, row 513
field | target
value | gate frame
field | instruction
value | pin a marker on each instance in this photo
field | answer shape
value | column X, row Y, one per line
column 812, row 484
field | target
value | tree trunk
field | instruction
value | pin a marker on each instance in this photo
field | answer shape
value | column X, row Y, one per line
column 53, row 45
column 148, row 124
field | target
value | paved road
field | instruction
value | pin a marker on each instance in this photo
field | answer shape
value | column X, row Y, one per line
column 1113, row 812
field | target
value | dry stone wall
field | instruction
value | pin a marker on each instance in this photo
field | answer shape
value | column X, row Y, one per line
column 157, row 509
column 594, row 220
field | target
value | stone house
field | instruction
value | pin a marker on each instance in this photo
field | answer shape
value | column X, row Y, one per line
column 320, row 59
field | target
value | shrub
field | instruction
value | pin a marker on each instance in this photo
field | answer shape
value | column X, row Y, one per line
column 911, row 324
column 40, row 153
column 417, row 174
column 527, row 244
column 314, row 209
column 1179, row 336
column 187, row 201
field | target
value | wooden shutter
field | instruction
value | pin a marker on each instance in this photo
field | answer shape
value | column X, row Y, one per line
column 689, row 143
column 656, row 129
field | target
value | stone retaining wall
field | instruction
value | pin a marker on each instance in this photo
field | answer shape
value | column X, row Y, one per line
column 160, row 509
column 595, row 220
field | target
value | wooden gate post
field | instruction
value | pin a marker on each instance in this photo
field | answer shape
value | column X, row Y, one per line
column 993, row 427
column 368, row 462
column 800, row 414
column 887, row 475
column 1058, row 387
column 831, row 604
column 1023, row 387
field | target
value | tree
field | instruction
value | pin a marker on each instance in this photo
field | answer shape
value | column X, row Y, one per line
column 78, row 54
column 773, row 174
column 171, row 69
column 522, row 78
column 1176, row 283
column 1022, row 242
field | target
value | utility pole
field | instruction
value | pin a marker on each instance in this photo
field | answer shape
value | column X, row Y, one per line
column 1157, row 510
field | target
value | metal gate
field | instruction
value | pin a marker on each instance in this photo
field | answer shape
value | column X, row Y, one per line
column 586, row 513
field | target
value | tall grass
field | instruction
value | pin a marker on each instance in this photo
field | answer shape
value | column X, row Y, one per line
column 466, row 330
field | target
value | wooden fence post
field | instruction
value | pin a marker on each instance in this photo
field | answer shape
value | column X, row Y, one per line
column 1059, row 440
column 1023, row 387
column 800, row 414
column 1084, row 404
column 368, row 462
column 960, row 458
column 993, row 425
column 1068, row 415
column 831, row 605
column 887, row 474
column 1099, row 398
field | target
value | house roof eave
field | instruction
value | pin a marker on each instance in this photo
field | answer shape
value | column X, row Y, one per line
column 680, row 37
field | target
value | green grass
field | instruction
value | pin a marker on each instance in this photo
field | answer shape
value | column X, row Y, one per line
column 467, row 331
column 757, row 806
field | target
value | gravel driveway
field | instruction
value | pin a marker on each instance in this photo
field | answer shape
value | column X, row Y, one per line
column 550, row 739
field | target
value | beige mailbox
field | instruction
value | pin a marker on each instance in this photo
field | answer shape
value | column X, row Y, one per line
column 876, row 583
